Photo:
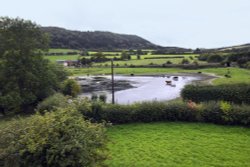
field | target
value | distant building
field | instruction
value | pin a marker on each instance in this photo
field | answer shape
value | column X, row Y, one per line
column 67, row 63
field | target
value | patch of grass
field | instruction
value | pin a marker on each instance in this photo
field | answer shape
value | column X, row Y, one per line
column 133, row 60
column 238, row 75
column 63, row 57
column 178, row 144
column 62, row 50
column 144, row 61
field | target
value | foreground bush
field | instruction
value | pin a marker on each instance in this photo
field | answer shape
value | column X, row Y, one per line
column 61, row 138
column 239, row 93
column 52, row 103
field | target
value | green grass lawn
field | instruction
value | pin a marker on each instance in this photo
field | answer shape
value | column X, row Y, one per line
column 238, row 75
column 143, row 61
column 62, row 57
column 178, row 145
column 62, row 50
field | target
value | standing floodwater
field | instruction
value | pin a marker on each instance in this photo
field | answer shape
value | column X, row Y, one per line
column 130, row 89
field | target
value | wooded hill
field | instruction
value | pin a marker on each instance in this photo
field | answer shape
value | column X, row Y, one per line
column 100, row 40
column 229, row 49
column 62, row 38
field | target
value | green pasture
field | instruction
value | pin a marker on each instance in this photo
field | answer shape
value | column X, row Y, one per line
column 133, row 61
column 238, row 75
column 62, row 50
column 62, row 57
column 143, row 61
column 178, row 145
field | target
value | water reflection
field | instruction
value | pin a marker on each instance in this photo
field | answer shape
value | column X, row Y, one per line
column 146, row 88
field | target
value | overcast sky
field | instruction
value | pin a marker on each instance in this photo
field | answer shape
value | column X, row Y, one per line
column 183, row 23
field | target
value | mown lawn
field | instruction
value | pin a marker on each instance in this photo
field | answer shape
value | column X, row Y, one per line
column 178, row 145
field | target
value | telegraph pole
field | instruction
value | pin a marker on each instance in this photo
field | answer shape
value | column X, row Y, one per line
column 112, row 81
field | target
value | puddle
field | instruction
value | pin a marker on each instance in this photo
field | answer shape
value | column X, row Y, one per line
column 130, row 89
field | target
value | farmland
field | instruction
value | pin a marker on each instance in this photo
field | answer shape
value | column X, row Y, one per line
column 144, row 59
column 88, row 97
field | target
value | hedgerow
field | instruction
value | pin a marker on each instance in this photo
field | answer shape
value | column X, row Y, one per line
column 239, row 93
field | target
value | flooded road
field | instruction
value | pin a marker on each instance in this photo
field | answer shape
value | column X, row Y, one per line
column 130, row 89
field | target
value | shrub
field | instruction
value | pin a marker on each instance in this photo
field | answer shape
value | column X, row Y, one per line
column 239, row 93
column 118, row 114
column 97, row 110
column 149, row 111
column 211, row 112
column 215, row 58
column 60, row 138
column 53, row 102
column 226, row 113
column 82, row 105
column 185, row 61
column 169, row 62
column 179, row 111
column 203, row 57
column 240, row 115
column 71, row 87
column 103, row 98
column 94, row 97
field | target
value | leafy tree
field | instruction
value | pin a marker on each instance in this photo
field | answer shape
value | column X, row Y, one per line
column 26, row 77
column 138, row 57
column 185, row 61
column 197, row 50
column 99, row 57
column 215, row 58
column 125, row 56
column 85, row 61
column 139, row 52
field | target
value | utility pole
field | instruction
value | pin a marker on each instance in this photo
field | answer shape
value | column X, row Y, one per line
column 112, row 81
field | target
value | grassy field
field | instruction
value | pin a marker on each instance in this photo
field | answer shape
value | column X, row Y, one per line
column 63, row 57
column 142, row 61
column 133, row 60
column 178, row 145
column 238, row 75
column 62, row 50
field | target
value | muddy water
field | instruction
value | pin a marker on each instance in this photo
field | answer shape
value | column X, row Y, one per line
column 130, row 89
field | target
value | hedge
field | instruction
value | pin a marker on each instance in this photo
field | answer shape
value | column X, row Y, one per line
column 170, row 57
column 219, row 112
column 239, row 93
column 213, row 112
